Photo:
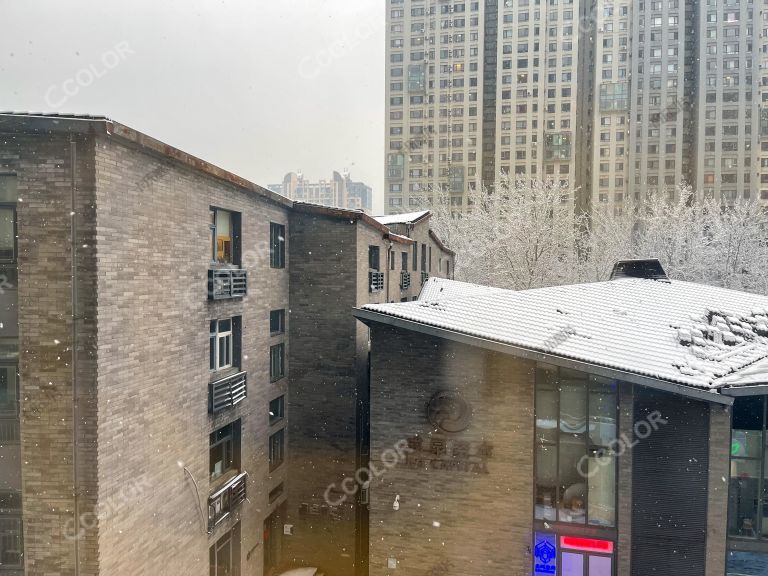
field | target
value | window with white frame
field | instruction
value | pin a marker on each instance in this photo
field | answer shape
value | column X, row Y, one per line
column 222, row 343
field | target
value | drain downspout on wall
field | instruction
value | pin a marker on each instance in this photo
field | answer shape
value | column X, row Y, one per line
column 75, row 410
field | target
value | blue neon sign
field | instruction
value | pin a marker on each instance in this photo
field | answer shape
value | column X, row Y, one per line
column 545, row 554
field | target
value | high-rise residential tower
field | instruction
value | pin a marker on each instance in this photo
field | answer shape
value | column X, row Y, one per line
column 616, row 98
column 477, row 89
column 434, row 99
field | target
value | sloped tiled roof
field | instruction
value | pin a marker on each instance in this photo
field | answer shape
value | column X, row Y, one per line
column 442, row 289
column 679, row 332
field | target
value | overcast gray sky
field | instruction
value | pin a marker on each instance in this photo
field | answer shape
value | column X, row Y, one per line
column 259, row 87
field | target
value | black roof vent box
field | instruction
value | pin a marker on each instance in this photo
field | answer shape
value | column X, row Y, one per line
column 649, row 268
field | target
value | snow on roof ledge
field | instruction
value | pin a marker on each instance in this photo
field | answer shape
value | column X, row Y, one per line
column 408, row 218
column 437, row 289
column 696, row 336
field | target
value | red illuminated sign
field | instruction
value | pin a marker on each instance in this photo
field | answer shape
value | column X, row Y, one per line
column 587, row 544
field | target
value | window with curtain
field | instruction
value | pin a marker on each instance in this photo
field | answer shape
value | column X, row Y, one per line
column 576, row 417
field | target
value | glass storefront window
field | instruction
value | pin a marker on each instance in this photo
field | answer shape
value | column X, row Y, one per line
column 747, row 487
column 576, row 417
column 746, row 564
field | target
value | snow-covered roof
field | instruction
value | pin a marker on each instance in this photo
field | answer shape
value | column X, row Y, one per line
column 408, row 218
column 691, row 334
column 443, row 289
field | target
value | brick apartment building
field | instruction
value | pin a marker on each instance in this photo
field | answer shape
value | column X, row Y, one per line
column 147, row 303
column 606, row 429
column 359, row 260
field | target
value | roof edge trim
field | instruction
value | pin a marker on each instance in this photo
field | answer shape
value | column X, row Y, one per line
column 368, row 316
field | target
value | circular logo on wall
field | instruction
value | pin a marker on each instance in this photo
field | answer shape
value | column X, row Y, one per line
column 449, row 412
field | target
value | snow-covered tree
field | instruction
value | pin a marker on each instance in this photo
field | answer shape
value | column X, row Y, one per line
column 526, row 234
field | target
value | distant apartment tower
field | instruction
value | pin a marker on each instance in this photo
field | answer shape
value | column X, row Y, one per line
column 663, row 95
column 728, row 62
column 476, row 89
column 608, row 172
column 340, row 191
column 434, row 99
column 542, row 57
column 359, row 195
column 613, row 97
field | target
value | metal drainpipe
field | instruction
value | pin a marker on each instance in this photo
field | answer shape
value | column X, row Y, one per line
column 75, row 411
column 388, row 268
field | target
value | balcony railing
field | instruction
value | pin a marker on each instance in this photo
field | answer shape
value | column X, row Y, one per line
column 376, row 281
column 424, row 278
column 226, row 499
column 227, row 283
column 227, row 392
column 405, row 280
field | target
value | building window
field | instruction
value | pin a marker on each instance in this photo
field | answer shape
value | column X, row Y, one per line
column 8, row 391
column 404, row 261
column 276, row 245
column 224, row 452
column 415, row 256
column 748, row 490
column 276, row 362
column 224, row 343
column 11, row 535
column 7, row 234
column 276, row 492
column 423, row 257
column 392, row 260
column 277, row 322
column 225, row 236
column 225, row 554
column 276, row 449
column 576, row 416
column 374, row 256
column 276, row 410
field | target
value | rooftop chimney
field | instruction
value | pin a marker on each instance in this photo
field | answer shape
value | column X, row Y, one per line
column 650, row 269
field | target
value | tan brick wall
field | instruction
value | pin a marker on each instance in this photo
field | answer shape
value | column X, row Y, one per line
column 719, row 473
column 460, row 523
column 420, row 233
column 322, row 399
column 624, row 485
column 153, row 246
column 44, row 169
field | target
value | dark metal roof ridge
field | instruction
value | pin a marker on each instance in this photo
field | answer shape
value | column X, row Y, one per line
column 367, row 316
column 439, row 242
column 350, row 214
column 31, row 122
column 154, row 145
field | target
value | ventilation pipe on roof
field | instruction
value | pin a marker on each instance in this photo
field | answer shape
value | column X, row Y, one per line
column 649, row 269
